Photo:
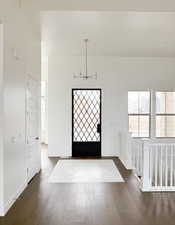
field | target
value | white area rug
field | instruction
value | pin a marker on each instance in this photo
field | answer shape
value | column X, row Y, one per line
column 85, row 171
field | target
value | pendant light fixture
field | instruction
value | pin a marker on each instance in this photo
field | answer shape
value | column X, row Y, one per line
column 85, row 76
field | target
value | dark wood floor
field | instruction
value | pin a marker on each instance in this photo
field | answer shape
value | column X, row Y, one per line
column 90, row 204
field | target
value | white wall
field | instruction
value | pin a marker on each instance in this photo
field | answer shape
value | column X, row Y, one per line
column 44, row 74
column 1, row 120
column 116, row 76
column 21, row 57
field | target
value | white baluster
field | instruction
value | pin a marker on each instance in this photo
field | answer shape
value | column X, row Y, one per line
column 155, row 164
column 151, row 163
column 161, row 159
column 141, row 158
column 171, row 167
column 132, row 152
column 137, row 159
column 135, row 156
column 146, row 163
column 166, row 165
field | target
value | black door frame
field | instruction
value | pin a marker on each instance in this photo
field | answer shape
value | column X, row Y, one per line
column 100, row 142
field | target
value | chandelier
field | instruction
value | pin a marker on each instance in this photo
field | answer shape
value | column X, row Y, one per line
column 85, row 76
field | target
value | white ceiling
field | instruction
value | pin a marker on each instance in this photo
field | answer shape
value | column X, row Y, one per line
column 120, row 5
column 110, row 33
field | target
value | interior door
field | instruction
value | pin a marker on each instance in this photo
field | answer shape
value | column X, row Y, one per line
column 32, row 127
column 86, row 122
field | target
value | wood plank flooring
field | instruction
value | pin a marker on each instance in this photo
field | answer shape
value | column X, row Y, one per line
column 43, row 203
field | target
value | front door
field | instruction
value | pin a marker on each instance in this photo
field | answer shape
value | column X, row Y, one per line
column 86, row 122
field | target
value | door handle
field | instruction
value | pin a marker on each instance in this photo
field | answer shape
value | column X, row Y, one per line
column 99, row 128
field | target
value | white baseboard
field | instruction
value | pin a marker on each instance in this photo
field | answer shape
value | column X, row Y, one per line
column 1, row 211
column 13, row 199
column 112, row 156
column 58, row 156
column 158, row 189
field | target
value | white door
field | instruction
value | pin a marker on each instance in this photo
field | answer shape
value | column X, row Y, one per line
column 33, row 127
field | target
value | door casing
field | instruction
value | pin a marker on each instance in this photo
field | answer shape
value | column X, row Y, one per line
column 32, row 131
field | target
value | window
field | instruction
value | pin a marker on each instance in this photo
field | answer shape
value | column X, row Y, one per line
column 165, row 114
column 139, row 113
